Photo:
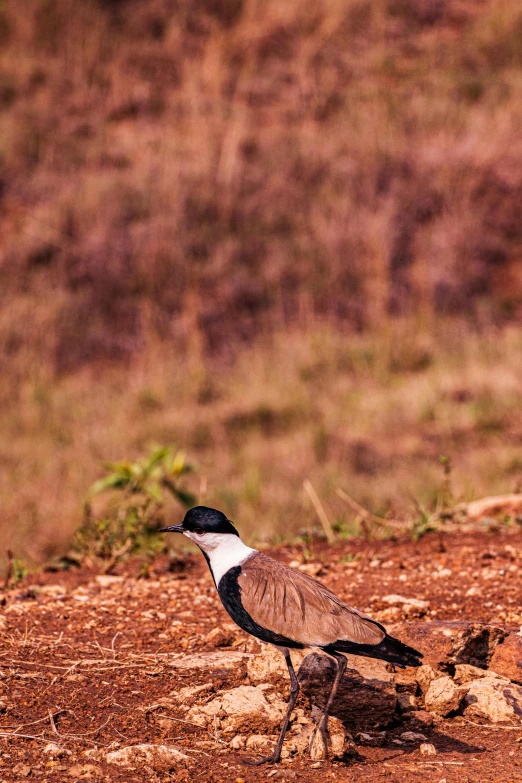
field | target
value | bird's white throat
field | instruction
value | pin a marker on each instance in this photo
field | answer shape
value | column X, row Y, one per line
column 224, row 551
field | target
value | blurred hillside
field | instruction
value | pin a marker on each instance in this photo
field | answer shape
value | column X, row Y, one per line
column 224, row 167
column 180, row 179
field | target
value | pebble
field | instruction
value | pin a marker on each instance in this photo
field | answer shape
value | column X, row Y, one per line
column 427, row 749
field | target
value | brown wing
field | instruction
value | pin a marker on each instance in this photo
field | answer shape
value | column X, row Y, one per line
column 294, row 605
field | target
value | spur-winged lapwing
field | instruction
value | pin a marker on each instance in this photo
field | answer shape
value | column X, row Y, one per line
column 285, row 607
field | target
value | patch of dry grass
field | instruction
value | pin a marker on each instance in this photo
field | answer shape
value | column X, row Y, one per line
column 371, row 414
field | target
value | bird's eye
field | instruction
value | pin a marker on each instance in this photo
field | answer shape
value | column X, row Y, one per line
column 199, row 532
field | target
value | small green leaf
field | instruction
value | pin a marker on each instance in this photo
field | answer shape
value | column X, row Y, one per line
column 112, row 481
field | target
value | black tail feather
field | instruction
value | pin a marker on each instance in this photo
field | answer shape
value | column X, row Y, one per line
column 390, row 649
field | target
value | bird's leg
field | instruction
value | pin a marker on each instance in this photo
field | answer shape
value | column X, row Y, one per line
column 323, row 724
column 294, row 692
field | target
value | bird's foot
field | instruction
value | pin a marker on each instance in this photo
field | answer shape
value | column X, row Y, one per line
column 275, row 758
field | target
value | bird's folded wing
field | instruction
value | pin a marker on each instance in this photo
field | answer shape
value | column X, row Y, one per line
column 294, row 605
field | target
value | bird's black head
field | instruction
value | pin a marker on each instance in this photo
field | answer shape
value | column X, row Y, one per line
column 205, row 520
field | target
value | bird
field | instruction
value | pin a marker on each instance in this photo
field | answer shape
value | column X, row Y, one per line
column 286, row 608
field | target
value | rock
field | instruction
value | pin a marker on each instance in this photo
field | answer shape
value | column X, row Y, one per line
column 84, row 772
column 444, row 696
column 399, row 600
column 413, row 736
column 493, row 699
column 56, row 751
column 270, row 666
column 243, row 709
column 22, row 769
column 373, row 740
column 52, row 590
column 411, row 607
column 107, row 580
column 427, row 749
column 228, row 661
column 238, row 742
column 420, row 719
column 158, row 757
column 260, row 743
column 444, row 643
column 219, row 637
column 507, row 658
column 360, row 703
column 406, row 702
column 309, row 742
column 505, row 505
column 464, row 673
column 312, row 569
column 184, row 698
column 424, row 676
column 372, row 668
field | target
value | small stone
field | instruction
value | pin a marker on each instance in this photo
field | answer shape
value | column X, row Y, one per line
column 219, row 637
column 312, row 569
column 260, row 743
column 400, row 600
column 443, row 696
column 427, row 749
column 419, row 719
column 406, row 702
column 83, row 771
column 413, row 736
column 238, row 742
column 56, row 751
column 424, row 675
column 107, row 580
column 52, row 590
column 372, row 740
column 22, row 769
column 158, row 757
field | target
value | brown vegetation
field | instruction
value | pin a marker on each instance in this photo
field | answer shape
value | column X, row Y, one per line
column 331, row 179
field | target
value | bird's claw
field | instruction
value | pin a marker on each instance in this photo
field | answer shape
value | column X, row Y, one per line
column 273, row 759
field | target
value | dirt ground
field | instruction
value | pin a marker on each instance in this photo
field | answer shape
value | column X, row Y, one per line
column 81, row 657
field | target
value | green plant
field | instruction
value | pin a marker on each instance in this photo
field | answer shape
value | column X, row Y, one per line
column 349, row 557
column 142, row 490
column 16, row 571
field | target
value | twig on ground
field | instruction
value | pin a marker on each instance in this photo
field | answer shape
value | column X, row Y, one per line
column 368, row 514
column 179, row 720
column 53, row 724
column 321, row 513
column 23, row 736
column 40, row 720
column 112, row 643
column 10, row 569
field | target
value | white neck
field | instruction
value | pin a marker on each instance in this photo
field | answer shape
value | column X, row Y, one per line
column 224, row 551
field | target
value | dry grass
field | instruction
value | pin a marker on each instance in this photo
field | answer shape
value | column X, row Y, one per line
column 370, row 414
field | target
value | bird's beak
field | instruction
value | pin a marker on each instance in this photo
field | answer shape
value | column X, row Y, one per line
column 171, row 529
